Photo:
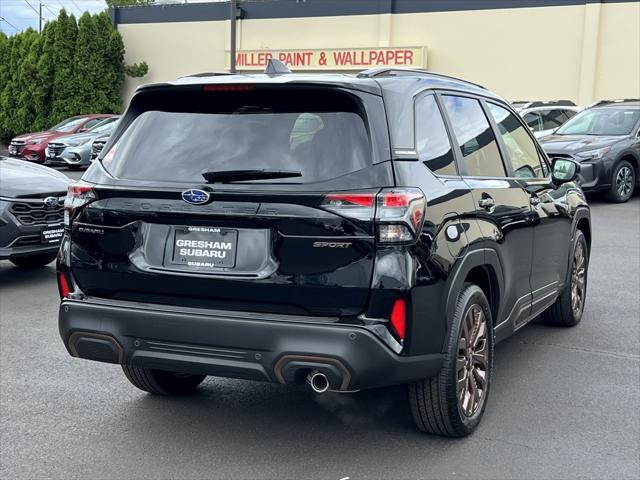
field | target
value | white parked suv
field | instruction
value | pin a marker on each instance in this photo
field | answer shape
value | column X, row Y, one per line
column 544, row 117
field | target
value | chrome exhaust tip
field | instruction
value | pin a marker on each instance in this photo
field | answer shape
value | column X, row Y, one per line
column 318, row 381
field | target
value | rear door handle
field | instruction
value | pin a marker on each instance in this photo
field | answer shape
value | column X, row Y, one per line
column 487, row 203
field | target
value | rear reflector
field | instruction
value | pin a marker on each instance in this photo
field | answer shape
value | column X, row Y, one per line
column 398, row 318
column 63, row 285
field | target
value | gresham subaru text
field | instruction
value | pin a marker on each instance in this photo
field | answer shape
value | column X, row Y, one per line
column 377, row 229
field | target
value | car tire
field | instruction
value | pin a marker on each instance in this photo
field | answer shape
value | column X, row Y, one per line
column 446, row 405
column 33, row 261
column 568, row 308
column 623, row 183
column 161, row 382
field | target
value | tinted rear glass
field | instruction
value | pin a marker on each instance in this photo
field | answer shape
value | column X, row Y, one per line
column 177, row 136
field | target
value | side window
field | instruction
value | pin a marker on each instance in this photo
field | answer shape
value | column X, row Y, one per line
column 523, row 154
column 568, row 114
column 92, row 123
column 533, row 120
column 480, row 154
column 552, row 119
column 432, row 141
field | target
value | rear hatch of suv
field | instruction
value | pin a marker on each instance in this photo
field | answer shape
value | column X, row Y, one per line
column 249, row 197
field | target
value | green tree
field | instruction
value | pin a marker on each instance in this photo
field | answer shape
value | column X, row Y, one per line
column 43, row 91
column 70, row 68
column 27, row 78
column 64, row 79
column 5, row 75
column 90, row 95
column 114, row 58
column 9, row 99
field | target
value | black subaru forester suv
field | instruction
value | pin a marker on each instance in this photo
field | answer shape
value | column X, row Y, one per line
column 347, row 231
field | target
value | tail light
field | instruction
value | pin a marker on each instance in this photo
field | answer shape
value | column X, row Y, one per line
column 78, row 195
column 352, row 205
column 398, row 212
column 397, row 319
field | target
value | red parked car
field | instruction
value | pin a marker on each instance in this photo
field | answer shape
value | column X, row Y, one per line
column 31, row 146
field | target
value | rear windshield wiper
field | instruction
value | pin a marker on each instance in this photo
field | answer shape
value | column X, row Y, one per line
column 227, row 176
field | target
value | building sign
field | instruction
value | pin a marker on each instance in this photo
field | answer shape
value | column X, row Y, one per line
column 333, row 58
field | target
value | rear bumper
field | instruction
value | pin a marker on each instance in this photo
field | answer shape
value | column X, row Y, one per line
column 236, row 345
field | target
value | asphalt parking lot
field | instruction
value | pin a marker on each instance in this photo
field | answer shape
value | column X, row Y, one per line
column 565, row 403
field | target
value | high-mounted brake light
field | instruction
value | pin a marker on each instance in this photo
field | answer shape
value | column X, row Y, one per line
column 398, row 318
column 227, row 88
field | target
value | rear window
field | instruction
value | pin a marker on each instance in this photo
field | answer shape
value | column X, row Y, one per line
column 176, row 136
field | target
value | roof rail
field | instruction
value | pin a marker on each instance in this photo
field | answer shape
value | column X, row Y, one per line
column 545, row 103
column 615, row 100
column 276, row 67
column 205, row 74
column 391, row 72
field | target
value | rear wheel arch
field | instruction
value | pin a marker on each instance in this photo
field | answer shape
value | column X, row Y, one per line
column 481, row 266
column 584, row 226
column 582, row 222
column 485, row 277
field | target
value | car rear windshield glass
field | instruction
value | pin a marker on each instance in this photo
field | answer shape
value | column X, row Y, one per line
column 603, row 121
column 321, row 134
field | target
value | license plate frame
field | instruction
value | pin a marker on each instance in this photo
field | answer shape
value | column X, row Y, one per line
column 204, row 248
column 52, row 234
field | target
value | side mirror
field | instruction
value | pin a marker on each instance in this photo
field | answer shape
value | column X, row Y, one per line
column 82, row 130
column 564, row 170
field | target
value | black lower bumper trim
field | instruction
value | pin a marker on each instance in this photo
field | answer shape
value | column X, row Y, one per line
column 228, row 346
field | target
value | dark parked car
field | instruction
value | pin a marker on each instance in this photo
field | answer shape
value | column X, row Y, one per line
column 605, row 139
column 353, row 232
column 31, row 212
column 32, row 146
column 74, row 151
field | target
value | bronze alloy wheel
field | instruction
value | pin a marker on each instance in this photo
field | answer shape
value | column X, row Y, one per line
column 624, row 181
column 472, row 362
column 578, row 272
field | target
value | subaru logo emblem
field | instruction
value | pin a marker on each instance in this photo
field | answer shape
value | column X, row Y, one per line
column 51, row 202
column 195, row 196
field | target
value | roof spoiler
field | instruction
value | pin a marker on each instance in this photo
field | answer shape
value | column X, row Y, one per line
column 276, row 67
